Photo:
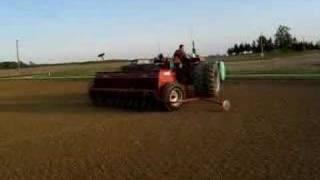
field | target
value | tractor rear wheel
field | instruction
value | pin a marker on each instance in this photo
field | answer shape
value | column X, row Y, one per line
column 172, row 96
column 206, row 79
column 213, row 80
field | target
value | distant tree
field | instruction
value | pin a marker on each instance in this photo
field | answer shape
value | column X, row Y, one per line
column 12, row 65
column 318, row 45
column 298, row 46
column 269, row 46
column 31, row 63
column 247, row 47
column 254, row 46
column 236, row 49
column 283, row 38
column 302, row 46
column 241, row 48
column 294, row 40
column 310, row 46
column 230, row 51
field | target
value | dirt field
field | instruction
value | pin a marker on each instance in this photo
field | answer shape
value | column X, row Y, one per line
column 48, row 130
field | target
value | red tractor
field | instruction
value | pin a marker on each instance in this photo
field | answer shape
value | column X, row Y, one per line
column 157, row 83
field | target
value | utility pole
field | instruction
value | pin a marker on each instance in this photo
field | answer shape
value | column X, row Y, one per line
column 303, row 44
column 261, row 45
column 18, row 55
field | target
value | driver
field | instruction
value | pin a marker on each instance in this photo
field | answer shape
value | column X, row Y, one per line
column 182, row 65
column 179, row 56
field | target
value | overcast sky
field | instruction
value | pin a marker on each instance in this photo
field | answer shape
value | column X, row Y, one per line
column 71, row 30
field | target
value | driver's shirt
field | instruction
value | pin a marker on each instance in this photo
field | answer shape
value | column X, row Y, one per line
column 179, row 56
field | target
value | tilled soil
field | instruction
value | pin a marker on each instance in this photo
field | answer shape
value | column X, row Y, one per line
column 49, row 130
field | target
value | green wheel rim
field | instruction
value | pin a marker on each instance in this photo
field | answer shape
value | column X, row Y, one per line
column 222, row 70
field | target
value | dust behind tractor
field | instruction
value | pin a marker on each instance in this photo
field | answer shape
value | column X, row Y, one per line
column 157, row 83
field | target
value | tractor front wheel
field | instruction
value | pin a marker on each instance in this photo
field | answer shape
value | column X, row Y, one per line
column 172, row 96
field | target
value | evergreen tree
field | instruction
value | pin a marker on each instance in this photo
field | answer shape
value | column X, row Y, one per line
column 254, row 47
column 236, row 49
column 269, row 45
column 230, row 51
column 247, row 47
column 241, row 48
column 318, row 45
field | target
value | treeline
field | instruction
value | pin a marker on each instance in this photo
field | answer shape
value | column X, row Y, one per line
column 13, row 65
column 283, row 40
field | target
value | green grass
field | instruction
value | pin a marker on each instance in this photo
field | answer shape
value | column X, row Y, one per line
column 273, row 77
column 80, row 72
column 278, row 71
column 236, row 65
column 77, row 72
column 267, row 56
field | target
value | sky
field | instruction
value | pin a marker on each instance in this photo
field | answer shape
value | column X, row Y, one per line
column 54, row 31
